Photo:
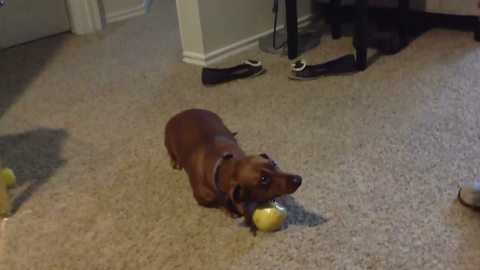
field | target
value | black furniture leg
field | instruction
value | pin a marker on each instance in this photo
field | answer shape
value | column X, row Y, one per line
column 361, row 40
column 477, row 29
column 292, row 28
column 335, row 16
column 404, row 9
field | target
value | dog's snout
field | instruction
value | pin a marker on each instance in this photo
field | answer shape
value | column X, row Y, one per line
column 297, row 180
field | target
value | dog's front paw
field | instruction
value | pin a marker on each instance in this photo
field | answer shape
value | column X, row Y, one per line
column 253, row 230
column 251, row 225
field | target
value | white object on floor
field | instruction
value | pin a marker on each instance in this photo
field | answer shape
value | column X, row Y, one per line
column 475, row 186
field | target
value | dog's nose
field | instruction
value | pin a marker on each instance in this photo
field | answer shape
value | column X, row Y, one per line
column 297, row 180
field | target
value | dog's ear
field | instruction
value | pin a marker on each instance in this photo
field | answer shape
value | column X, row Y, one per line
column 264, row 156
column 237, row 194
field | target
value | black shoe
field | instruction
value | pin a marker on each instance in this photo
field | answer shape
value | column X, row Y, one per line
column 343, row 65
column 214, row 76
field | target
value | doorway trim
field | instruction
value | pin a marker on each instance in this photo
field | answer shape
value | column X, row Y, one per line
column 85, row 16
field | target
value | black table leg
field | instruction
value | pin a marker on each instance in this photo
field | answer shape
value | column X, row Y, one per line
column 361, row 40
column 335, row 16
column 292, row 28
column 404, row 7
column 476, row 31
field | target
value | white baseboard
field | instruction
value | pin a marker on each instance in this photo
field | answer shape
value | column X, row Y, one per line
column 194, row 58
column 218, row 55
column 128, row 13
column 232, row 49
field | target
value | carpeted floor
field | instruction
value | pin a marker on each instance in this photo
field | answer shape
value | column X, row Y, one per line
column 381, row 153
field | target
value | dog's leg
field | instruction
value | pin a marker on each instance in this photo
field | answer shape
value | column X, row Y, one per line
column 204, row 197
column 248, row 209
column 230, row 210
column 249, row 222
column 229, row 213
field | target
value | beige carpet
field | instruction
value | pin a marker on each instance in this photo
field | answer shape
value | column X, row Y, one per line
column 381, row 153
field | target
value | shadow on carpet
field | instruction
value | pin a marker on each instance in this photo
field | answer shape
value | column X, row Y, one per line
column 20, row 65
column 298, row 215
column 34, row 156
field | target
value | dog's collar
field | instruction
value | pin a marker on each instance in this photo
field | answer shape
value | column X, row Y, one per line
column 249, row 207
column 216, row 175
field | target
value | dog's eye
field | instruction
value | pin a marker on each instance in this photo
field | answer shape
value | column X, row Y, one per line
column 264, row 180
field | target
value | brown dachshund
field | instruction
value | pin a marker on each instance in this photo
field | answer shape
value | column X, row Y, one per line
column 221, row 174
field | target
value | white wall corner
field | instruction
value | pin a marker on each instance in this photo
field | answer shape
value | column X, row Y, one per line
column 84, row 16
column 147, row 4
column 191, row 32
column 128, row 12
column 194, row 58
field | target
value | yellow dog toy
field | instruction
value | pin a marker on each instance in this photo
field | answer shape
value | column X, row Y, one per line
column 7, row 180
column 269, row 217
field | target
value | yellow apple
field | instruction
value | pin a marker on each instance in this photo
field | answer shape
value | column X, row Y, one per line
column 8, row 176
column 269, row 217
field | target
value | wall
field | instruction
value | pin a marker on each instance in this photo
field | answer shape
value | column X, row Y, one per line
column 190, row 28
column 221, row 28
column 227, row 22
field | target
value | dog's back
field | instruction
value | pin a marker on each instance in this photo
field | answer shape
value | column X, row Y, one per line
column 192, row 129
